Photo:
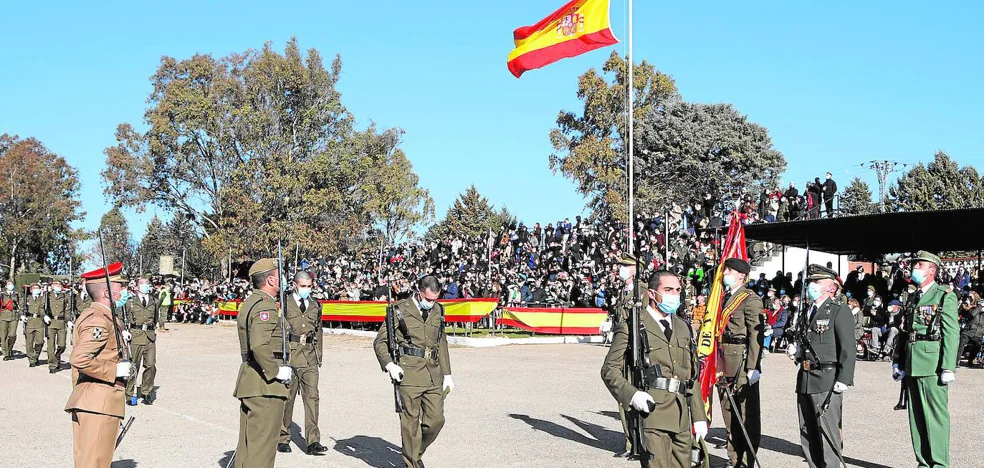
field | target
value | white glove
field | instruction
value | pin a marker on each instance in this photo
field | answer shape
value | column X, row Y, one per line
column 24, row 318
column 839, row 387
column 642, row 402
column 448, row 385
column 71, row 325
column 947, row 376
column 753, row 376
column 123, row 369
column 127, row 336
column 792, row 350
column 284, row 374
column 47, row 320
column 395, row 372
column 768, row 332
column 897, row 374
column 700, row 429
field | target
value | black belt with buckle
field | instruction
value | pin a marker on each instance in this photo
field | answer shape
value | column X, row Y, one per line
column 418, row 352
column 305, row 339
column 819, row 366
column 729, row 339
column 134, row 326
column 276, row 355
column 932, row 337
column 34, row 315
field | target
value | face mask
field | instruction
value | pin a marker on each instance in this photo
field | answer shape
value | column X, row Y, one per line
column 729, row 281
column 144, row 288
column 425, row 304
column 624, row 273
column 670, row 304
column 918, row 276
column 877, row 303
column 57, row 289
column 35, row 292
column 10, row 287
column 871, row 293
column 303, row 293
column 813, row 291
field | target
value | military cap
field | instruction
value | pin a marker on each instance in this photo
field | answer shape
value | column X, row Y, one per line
column 263, row 265
column 115, row 273
column 817, row 272
column 924, row 256
column 738, row 265
column 628, row 260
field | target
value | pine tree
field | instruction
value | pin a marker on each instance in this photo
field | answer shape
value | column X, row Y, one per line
column 856, row 199
column 153, row 245
column 117, row 241
column 939, row 185
column 471, row 215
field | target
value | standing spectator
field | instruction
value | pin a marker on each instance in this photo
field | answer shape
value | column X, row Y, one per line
column 829, row 191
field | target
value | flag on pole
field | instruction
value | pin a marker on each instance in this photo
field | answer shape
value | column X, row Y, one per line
column 579, row 26
column 714, row 321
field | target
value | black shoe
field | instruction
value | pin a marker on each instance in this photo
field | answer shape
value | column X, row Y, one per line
column 625, row 454
column 420, row 464
column 316, row 449
column 283, row 448
column 147, row 400
column 52, row 371
column 33, row 364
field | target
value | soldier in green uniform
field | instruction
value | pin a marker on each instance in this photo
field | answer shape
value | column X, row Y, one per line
column 8, row 320
column 263, row 376
column 306, row 350
column 627, row 269
column 60, row 315
column 740, row 361
column 675, row 408
column 144, row 311
column 34, row 324
column 423, row 369
column 928, row 361
column 825, row 351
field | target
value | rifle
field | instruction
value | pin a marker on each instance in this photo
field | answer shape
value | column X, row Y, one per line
column 282, row 299
column 122, row 349
column 71, row 301
column 639, row 366
column 898, row 352
column 391, row 312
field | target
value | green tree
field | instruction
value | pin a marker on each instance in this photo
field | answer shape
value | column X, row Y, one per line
column 153, row 245
column 182, row 238
column 857, row 199
column 395, row 199
column 117, row 241
column 38, row 205
column 939, row 185
column 470, row 215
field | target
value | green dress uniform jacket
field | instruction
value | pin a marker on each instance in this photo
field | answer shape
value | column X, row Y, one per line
column 831, row 334
column 428, row 335
column 35, row 327
column 143, row 319
column 744, row 330
column 306, row 333
column 925, row 358
column 260, row 343
column 623, row 304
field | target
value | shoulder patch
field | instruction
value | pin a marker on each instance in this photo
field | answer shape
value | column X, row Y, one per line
column 97, row 333
column 265, row 316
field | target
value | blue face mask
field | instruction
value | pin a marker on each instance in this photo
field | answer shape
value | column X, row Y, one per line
column 729, row 281
column 813, row 291
column 303, row 293
column 670, row 304
column 918, row 276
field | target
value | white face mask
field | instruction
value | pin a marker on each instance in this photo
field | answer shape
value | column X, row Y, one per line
column 57, row 289
column 624, row 273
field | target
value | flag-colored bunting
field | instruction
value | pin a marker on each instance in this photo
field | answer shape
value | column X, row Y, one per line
column 712, row 326
column 455, row 310
column 579, row 26
column 556, row 321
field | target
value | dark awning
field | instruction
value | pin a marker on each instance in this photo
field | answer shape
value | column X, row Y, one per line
column 935, row 231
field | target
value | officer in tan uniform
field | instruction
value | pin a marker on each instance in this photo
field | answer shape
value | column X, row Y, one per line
column 672, row 406
column 423, row 369
column 306, row 351
column 35, row 320
column 8, row 320
column 144, row 311
column 98, row 374
column 263, row 376
column 740, row 356
column 60, row 317
column 627, row 272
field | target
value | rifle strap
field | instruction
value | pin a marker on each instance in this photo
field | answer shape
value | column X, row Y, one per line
column 402, row 323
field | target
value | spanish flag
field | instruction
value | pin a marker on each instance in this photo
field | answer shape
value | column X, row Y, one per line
column 577, row 27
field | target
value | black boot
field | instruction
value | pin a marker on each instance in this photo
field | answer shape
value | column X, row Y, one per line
column 283, row 448
column 316, row 449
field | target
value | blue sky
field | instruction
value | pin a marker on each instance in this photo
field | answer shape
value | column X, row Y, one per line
column 836, row 83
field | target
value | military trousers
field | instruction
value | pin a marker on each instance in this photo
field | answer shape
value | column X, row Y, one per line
column 749, row 410
column 929, row 420
column 144, row 355
column 94, row 439
column 34, row 342
column 306, row 380
column 8, row 335
column 260, row 419
column 421, row 421
column 56, row 343
column 625, row 428
column 817, row 443
column 668, row 449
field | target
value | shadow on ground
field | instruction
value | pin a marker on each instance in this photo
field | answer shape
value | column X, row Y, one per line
column 374, row 451
column 226, row 458
column 123, row 464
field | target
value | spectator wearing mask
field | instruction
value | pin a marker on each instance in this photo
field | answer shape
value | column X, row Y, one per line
column 829, row 192
column 972, row 320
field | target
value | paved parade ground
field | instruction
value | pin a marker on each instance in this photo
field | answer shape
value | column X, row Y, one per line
column 513, row 406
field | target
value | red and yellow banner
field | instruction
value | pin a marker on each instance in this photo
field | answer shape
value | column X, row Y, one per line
column 579, row 26
column 559, row 321
column 455, row 310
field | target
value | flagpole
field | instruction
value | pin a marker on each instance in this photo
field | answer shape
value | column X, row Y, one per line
column 631, row 241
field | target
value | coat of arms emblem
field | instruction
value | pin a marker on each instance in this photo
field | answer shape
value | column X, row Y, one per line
column 570, row 24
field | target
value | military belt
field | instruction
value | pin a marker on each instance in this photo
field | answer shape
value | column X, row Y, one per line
column 819, row 366
column 276, row 355
column 730, row 339
column 418, row 352
column 34, row 315
column 134, row 326
column 665, row 383
column 927, row 337
column 306, row 339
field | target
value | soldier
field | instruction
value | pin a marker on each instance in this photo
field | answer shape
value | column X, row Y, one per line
column 306, row 349
column 8, row 320
column 825, row 350
column 143, row 311
column 35, row 320
column 670, row 401
column 263, row 376
column 740, row 357
column 98, row 375
column 627, row 269
column 928, row 361
column 427, row 381
column 58, row 304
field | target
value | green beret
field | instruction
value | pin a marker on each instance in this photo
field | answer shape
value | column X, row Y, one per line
column 263, row 265
column 924, row 256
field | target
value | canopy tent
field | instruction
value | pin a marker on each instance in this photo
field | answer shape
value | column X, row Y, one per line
column 876, row 234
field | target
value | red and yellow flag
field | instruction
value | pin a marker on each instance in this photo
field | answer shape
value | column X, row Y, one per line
column 713, row 323
column 579, row 26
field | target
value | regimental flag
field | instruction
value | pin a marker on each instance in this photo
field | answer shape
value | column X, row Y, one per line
column 712, row 326
column 579, row 26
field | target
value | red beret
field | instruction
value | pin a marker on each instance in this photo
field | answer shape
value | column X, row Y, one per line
column 115, row 273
